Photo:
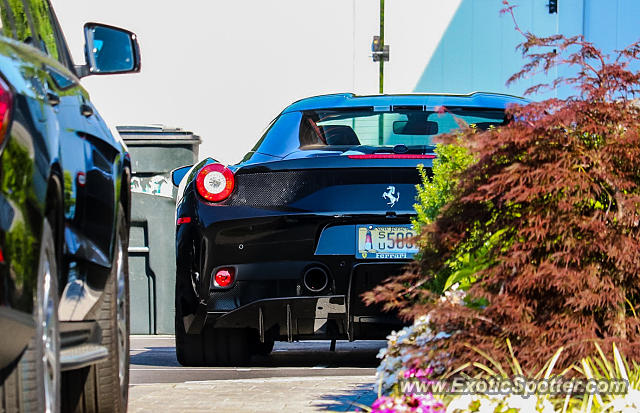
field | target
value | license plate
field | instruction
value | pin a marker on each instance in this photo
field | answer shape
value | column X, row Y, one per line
column 385, row 241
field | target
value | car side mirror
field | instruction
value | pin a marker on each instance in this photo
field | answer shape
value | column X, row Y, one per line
column 109, row 50
column 177, row 175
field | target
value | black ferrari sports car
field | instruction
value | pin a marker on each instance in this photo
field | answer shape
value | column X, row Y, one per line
column 281, row 245
column 64, row 219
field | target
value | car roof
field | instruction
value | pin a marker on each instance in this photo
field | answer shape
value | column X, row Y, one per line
column 350, row 100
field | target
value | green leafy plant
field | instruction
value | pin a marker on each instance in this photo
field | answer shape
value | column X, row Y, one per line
column 601, row 367
column 598, row 367
column 508, row 368
column 436, row 190
column 438, row 187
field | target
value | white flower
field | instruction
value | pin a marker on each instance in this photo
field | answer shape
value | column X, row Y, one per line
column 453, row 295
column 546, row 407
column 460, row 404
column 441, row 335
column 630, row 402
column 523, row 404
column 399, row 350
column 488, row 405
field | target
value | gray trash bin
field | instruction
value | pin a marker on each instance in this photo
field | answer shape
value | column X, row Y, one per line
column 155, row 151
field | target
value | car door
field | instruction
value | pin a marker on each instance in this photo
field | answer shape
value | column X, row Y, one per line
column 86, row 154
column 25, row 154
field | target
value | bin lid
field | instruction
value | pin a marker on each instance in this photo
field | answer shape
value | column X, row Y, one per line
column 153, row 135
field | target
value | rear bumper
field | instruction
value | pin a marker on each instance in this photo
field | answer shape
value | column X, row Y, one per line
column 294, row 318
column 284, row 309
column 270, row 252
column 290, row 317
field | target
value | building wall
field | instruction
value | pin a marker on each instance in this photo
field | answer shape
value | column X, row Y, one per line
column 225, row 69
column 478, row 49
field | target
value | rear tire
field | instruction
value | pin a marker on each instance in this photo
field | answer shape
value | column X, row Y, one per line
column 105, row 387
column 212, row 347
column 189, row 347
column 34, row 383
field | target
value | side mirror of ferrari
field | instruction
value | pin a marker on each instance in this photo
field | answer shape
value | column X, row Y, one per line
column 177, row 175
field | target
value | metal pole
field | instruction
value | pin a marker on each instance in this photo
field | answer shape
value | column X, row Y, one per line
column 381, row 79
column 381, row 85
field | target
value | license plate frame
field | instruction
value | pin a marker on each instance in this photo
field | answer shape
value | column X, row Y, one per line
column 390, row 251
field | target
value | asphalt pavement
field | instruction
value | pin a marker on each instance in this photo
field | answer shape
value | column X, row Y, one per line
column 300, row 376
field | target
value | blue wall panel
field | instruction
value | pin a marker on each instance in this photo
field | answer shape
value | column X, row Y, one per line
column 478, row 49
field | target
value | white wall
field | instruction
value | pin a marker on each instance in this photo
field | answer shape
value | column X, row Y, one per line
column 413, row 29
column 224, row 69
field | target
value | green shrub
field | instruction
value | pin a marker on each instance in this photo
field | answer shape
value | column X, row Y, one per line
column 438, row 188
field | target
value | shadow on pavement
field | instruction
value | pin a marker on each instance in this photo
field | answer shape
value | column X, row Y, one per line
column 349, row 400
column 302, row 354
column 155, row 356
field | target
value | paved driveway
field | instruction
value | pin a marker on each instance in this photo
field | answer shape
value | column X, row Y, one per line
column 296, row 377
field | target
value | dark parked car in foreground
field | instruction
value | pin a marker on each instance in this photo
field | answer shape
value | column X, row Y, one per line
column 64, row 206
column 282, row 245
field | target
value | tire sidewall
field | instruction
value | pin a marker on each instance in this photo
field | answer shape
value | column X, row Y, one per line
column 47, row 259
column 122, row 240
column 111, row 396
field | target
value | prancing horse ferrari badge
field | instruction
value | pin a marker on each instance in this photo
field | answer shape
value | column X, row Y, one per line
column 391, row 196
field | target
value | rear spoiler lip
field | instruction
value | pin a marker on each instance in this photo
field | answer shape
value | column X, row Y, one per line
column 336, row 162
column 391, row 156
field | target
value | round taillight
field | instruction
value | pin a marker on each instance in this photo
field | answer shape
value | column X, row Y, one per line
column 224, row 277
column 6, row 101
column 215, row 182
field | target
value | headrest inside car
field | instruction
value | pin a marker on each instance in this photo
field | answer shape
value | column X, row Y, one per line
column 340, row 135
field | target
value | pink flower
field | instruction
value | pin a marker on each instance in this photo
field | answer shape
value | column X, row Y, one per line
column 408, row 403
column 420, row 374
column 383, row 404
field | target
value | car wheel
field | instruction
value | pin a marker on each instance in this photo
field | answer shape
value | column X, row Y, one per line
column 189, row 350
column 34, row 383
column 105, row 386
column 212, row 347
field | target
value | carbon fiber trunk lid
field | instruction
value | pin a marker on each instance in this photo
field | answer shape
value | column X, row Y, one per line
column 327, row 189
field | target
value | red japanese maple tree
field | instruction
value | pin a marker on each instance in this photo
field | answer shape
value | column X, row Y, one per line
column 560, row 185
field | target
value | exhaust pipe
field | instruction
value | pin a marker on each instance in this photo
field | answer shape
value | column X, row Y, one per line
column 315, row 279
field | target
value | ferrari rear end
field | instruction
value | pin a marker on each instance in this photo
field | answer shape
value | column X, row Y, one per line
column 282, row 245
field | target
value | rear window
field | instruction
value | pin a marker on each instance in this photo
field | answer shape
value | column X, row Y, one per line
column 370, row 129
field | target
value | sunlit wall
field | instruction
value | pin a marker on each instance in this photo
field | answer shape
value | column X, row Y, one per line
column 224, row 69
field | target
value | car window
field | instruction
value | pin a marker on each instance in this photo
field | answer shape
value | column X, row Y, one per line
column 15, row 21
column 366, row 129
column 44, row 27
column 281, row 137
column 402, row 127
column 6, row 20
